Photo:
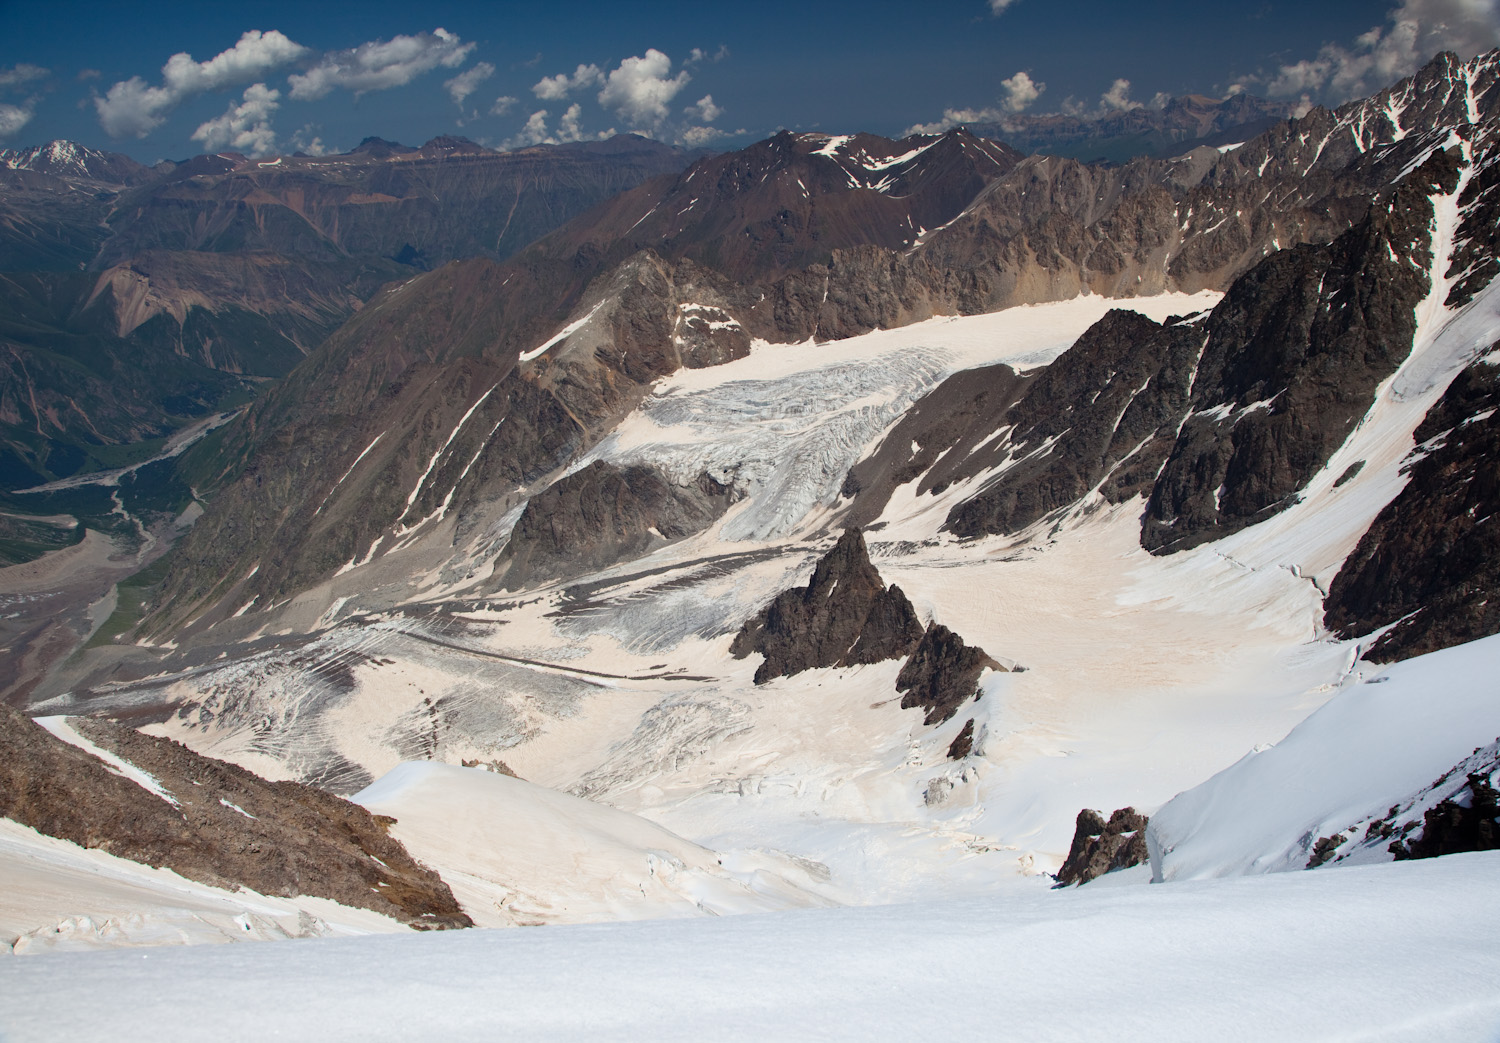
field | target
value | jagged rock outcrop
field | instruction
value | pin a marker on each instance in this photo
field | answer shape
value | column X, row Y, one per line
column 1455, row 825
column 1430, row 562
column 1101, row 847
column 942, row 674
column 844, row 616
column 604, row 514
column 228, row 827
column 963, row 743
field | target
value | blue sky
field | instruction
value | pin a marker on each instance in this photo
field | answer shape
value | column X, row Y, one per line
column 171, row 80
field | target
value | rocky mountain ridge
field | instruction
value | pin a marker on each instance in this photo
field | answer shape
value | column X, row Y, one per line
column 1040, row 228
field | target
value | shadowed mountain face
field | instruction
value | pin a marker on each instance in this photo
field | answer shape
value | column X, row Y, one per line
column 604, row 514
column 1220, row 420
column 1429, row 565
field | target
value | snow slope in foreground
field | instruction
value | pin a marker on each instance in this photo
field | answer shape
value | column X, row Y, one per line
column 519, row 854
column 56, row 896
column 1391, row 952
column 1377, row 741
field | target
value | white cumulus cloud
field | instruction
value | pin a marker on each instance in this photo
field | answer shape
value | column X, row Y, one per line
column 245, row 127
column 698, row 137
column 20, row 74
column 13, row 118
column 467, row 82
column 642, row 88
column 134, row 108
column 1020, row 91
column 698, row 54
column 503, row 104
column 18, row 80
column 253, row 56
column 1117, row 98
column 569, row 129
column 704, row 110
column 998, row 6
column 381, row 64
column 1414, row 31
column 556, row 88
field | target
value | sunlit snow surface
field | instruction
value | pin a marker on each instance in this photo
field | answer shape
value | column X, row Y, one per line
column 1379, row 953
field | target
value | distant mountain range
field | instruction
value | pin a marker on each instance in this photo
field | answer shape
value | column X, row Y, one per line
column 1120, row 136
column 133, row 299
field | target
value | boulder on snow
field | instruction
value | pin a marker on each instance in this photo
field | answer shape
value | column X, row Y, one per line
column 1101, row 847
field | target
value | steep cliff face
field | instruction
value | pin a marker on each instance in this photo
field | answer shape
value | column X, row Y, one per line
column 1219, row 420
column 1429, row 565
column 1292, row 360
column 212, row 821
column 846, row 615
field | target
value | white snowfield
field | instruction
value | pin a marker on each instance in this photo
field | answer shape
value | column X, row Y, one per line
column 1401, row 952
column 519, row 854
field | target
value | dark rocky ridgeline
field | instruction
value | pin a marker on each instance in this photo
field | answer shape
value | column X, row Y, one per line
column 278, row 838
column 1109, row 406
column 1101, row 847
column 942, row 674
column 1144, row 130
column 844, row 616
column 1221, row 421
column 830, row 257
column 1430, row 562
column 604, row 514
column 1294, row 354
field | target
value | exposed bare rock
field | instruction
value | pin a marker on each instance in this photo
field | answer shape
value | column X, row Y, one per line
column 1456, row 824
column 1294, row 355
column 963, row 743
column 844, row 616
column 1103, row 414
column 1101, row 847
column 942, row 674
column 1430, row 562
column 229, row 827
column 604, row 514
